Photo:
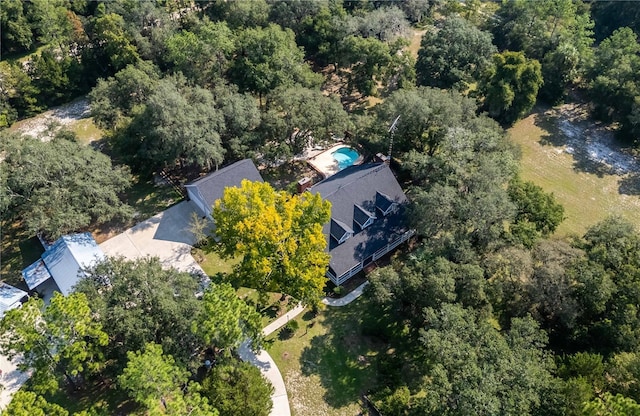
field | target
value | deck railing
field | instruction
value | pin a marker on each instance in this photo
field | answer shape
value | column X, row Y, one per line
column 378, row 254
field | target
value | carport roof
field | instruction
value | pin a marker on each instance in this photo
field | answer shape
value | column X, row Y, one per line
column 9, row 297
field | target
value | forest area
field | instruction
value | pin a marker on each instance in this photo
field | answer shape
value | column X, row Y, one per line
column 491, row 312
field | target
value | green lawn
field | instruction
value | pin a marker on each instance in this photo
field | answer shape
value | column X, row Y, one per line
column 588, row 196
column 328, row 363
column 86, row 130
column 148, row 199
column 211, row 262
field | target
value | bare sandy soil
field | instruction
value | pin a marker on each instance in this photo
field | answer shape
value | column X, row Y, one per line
column 45, row 125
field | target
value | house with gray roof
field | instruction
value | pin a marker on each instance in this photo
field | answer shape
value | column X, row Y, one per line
column 205, row 191
column 64, row 261
column 367, row 217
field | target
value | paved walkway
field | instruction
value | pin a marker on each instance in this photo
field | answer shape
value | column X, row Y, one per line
column 280, row 322
column 350, row 297
column 270, row 371
column 166, row 236
column 266, row 364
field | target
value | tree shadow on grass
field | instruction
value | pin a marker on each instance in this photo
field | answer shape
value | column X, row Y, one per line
column 271, row 311
column 592, row 145
column 343, row 358
column 552, row 135
column 630, row 184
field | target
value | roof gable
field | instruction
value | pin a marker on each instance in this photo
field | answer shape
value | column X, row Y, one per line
column 384, row 203
column 362, row 216
column 36, row 274
column 211, row 187
column 69, row 256
column 353, row 193
column 339, row 230
column 10, row 297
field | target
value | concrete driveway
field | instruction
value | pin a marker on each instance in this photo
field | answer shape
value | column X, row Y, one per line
column 165, row 235
column 11, row 380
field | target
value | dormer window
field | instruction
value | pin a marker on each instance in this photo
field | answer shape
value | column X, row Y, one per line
column 385, row 204
column 340, row 231
column 362, row 217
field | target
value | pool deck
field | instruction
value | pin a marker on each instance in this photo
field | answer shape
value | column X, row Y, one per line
column 325, row 163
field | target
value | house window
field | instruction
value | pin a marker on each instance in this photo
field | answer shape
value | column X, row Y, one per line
column 363, row 217
column 340, row 231
column 385, row 204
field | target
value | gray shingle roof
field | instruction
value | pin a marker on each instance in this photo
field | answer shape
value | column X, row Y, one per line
column 361, row 185
column 211, row 187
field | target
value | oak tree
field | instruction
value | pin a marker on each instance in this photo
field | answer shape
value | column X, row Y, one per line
column 511, row 87
column 453, row 55
column 61, row 186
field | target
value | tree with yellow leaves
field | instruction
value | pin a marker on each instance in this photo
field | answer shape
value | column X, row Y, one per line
column 279, row 237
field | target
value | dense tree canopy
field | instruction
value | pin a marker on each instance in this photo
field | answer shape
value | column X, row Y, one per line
column 140, row 302
column 279, row 237
column 180, row 125
column 151, row 377
column 226, row 320
column 26, row 403
column 297, row 118
column 615, row 87
column 536, row 210
column 238, row 388
column 60, row 186
column 267, row 58
column 473, row 368
column 116, row 100
column 203, row 55
column 511, row 87
column 453, row 55
column 491, row 311
column 426, row 115
column 59, row 343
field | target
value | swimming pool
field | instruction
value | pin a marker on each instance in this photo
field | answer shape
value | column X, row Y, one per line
column 345, row 156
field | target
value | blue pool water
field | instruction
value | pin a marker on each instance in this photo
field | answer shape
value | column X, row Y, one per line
column 345, row 157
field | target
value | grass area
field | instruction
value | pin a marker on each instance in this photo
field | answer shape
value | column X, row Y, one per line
column 328, row 363
column 22, row 57
column 588, row 196
column 86, row 130
column 147, row 199
column 270, row 308
column 19, row 249
column 414, row 41
column 212, row 263
column 273, row 306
